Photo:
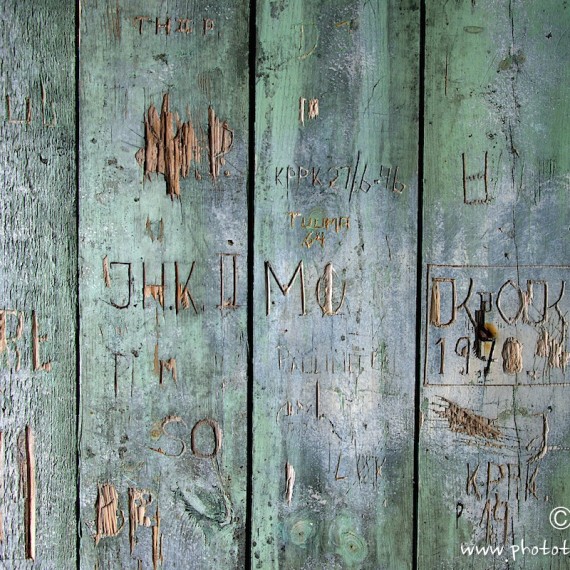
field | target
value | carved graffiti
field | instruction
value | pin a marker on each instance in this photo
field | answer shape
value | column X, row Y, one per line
column 354, row 178
column 497, row 325
column 174, row 149
column 172, row 25
column 13, row 341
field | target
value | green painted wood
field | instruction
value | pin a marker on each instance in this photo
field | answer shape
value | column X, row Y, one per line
column 495, row 435
column 334, row 284
column 38, row 286
column 163, row 265
column 163, row 229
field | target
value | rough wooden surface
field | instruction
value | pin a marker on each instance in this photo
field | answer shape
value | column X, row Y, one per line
column 494, row 441
column 38, row 269
column 334, row 284
column 163, row 229
column 163, row 281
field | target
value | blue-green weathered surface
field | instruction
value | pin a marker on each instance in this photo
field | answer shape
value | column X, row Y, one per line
column 494, row 440
column 334, row 284
column 163, row 223
column 38, row 286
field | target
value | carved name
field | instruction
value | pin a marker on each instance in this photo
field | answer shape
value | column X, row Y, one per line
column 168, row 25
column 317, row 227
column 171, row 284
column 498, row 325
column 328, row 362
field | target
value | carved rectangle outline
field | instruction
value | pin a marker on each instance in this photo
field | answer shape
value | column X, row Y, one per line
column 425, row 382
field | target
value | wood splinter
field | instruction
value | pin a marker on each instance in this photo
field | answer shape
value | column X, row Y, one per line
column 107, row 507
column 465, row 421
column 139, row 500
column 220, row 142
column 157, row 555
column 170, row 147
column 290, row 482
column 28, row 477
column 106, row 273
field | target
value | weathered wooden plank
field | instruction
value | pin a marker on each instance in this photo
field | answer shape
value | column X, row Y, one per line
column 38, row 286
column 494, row 441
column 163, row 228
column 334, row 284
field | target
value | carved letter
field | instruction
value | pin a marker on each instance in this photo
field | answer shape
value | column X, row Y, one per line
column 44, row 114
column 528, row 298
column 521, row 304
column 512, row 356
column 6, row 341
column 217, row 436
column 139, row 500
column 28, row 119
column 326, row 282
column 138, row 22
column 168, row 420
column 435, row 305
column 36, row 339
column 165, row 27
column 284, row 289
column 208, row 25
column 108, row 281
column 27, row 463
column 154, row 291
column 184, row 26
column 220, row 142
column 230, row 302
column 183, row 294
column 472, row 482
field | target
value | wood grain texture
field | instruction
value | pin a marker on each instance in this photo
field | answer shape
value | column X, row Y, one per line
column 163, row 271
column 495, row 353
column 334, row 285
column 38, row 286
column 163, row 218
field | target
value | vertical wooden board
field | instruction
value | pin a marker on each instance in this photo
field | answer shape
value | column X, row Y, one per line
column 495, row 436
column 163, row 229
column 38, row 286
column 334, row 284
